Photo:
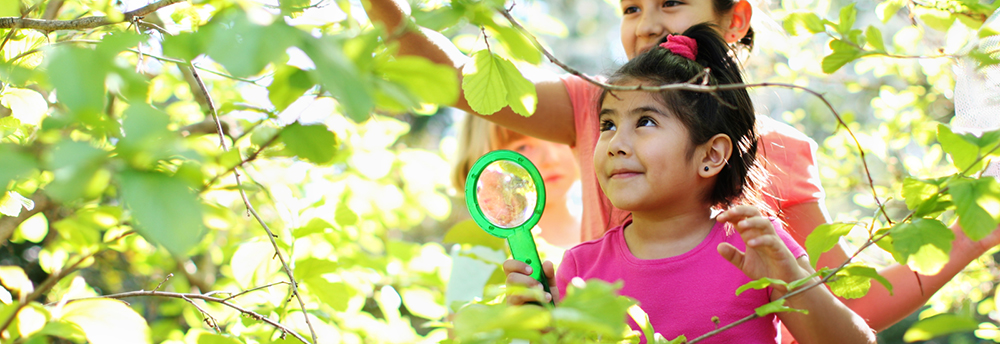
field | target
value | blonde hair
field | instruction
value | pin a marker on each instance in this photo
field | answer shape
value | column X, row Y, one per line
column 476, row 138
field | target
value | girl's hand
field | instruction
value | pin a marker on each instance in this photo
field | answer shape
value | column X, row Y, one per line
column 518, row 273
column 766, row 254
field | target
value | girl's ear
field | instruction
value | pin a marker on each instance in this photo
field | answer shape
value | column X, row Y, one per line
column 739, row 23
column 715, row 154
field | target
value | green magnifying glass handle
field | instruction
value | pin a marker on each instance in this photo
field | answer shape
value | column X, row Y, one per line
column 522, row 248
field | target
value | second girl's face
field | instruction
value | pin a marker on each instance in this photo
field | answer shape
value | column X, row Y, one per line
column 555, row 162
column 641, row 156
column 646, row 22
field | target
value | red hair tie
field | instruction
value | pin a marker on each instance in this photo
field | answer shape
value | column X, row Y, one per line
column 681, row 45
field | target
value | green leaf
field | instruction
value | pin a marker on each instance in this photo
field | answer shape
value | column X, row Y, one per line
column 854, row 281
column 809, row 20
column 759, row 284
column 934, row 18
column 432, row 83
column 923, row 244
column 517, row 44
column 316, row 225
column 593, row 308
column 314, row 143
column 345, row 216
column 423, row 303
column 848, row 14
column 964, row 154
column 439, row 18
column 293, row 7
column 147, row 139
column 977, row 203
column 15, row 280
column 244, row 47
column 477, row 321
column 939, row 325
column 106, row 321
column 875, row 38
column 491, row 82
column 467, row 232
column 184, row 45
column 10, row 9
column 777, row 306
column 289, row 84
column 26, row 105
column 886, row 9
column 824, row 238
column 923, row 197
column 65, row 330
column 334, row 294
column 75, row 167
column 165, row 210
column 338, row 75
column 252, row 264
column 642, row 319
column 212, row 338
column 16, row 165
column 843, row 53
column 78, row 76
column 314, row 267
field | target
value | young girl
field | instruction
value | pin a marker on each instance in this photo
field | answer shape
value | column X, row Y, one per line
column 794, row 190
column 670, row 158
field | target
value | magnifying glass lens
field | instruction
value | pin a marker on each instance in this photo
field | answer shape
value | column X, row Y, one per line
column 506, row 194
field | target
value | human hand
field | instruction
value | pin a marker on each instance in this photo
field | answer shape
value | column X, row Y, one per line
column 766, row 254
column 519, row 274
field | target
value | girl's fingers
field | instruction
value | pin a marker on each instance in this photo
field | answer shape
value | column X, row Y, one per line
column 516, row 266
column 732, row 254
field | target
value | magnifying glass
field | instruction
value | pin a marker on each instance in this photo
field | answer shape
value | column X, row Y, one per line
column 506, row 196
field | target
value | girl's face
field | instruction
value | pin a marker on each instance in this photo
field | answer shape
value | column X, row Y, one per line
column 646, row 22
column 641, row 157
column 554, row 161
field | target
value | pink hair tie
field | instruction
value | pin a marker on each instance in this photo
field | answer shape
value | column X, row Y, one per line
column 681, row 45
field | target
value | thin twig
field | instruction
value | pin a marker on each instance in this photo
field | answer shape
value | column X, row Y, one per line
column 191, row 296
column 81, row 23
column 209, row 319
column 250, row 208
column 250, row 158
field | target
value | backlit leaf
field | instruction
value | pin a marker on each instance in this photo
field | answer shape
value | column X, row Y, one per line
column 467, row 232
column 339, row 76
column 854, row 281
column 244, row 47
column 978, row 205
column 483, row 84
column 808, row 20
column 165, row 210
column 875, row 38
column 517, row 44
column 824, row 238
column 423, row 303
column 923, row 244
column 313, row 143
column 843, row 53
column 432, row 83
column 963, row 149
column 16, row 164
column 75, row 168
column 935, row 18
column 334, row 294
column 777, row 306
column 14, row 279
column 26, row 105
column 588, row 308
column 887, row 9
column 107, row 321
column 759, row 284
column 939, row 325
column 252, row 264
column 289, row 84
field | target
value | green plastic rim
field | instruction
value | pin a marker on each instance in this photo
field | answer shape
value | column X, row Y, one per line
column 472, row 199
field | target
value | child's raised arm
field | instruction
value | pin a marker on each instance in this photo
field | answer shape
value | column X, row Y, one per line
column 553, row 119
column 828, row 320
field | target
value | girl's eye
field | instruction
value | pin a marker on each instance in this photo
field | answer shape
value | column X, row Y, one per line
column 522, row 148
column 671, row 3
column 630, row 10
column 608, row 125
column 645, row 122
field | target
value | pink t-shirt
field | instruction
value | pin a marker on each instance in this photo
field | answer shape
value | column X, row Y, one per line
column 680, row 294
column 794, row 178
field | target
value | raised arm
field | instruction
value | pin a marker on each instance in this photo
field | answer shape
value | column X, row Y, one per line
column 878, row 308
column 553, row 118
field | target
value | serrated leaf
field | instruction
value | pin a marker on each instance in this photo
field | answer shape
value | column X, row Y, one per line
column 977, row 203
column 313, row 143
column 939, row 325
column 106, row 321
column 809, row 20
column 483, row 84
column 776, row 306
column 521, row 93
column 915, row 192
column 964, row 154
column 886, row 9
column 848, row 14
column 824, row 238
column 923, row 244
column 164, row 209
column 875, row 38
column 759, row 284
column 26, row 105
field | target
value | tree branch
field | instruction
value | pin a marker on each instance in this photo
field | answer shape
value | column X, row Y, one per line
column 190, row 297
column 82, row 23
column 246, row 201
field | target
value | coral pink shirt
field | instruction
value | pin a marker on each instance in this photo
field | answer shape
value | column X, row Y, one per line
column 794, row 178
column 680, row 294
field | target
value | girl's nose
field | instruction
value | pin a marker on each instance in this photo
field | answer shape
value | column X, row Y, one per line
column 650, row 24
column 619, row 144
